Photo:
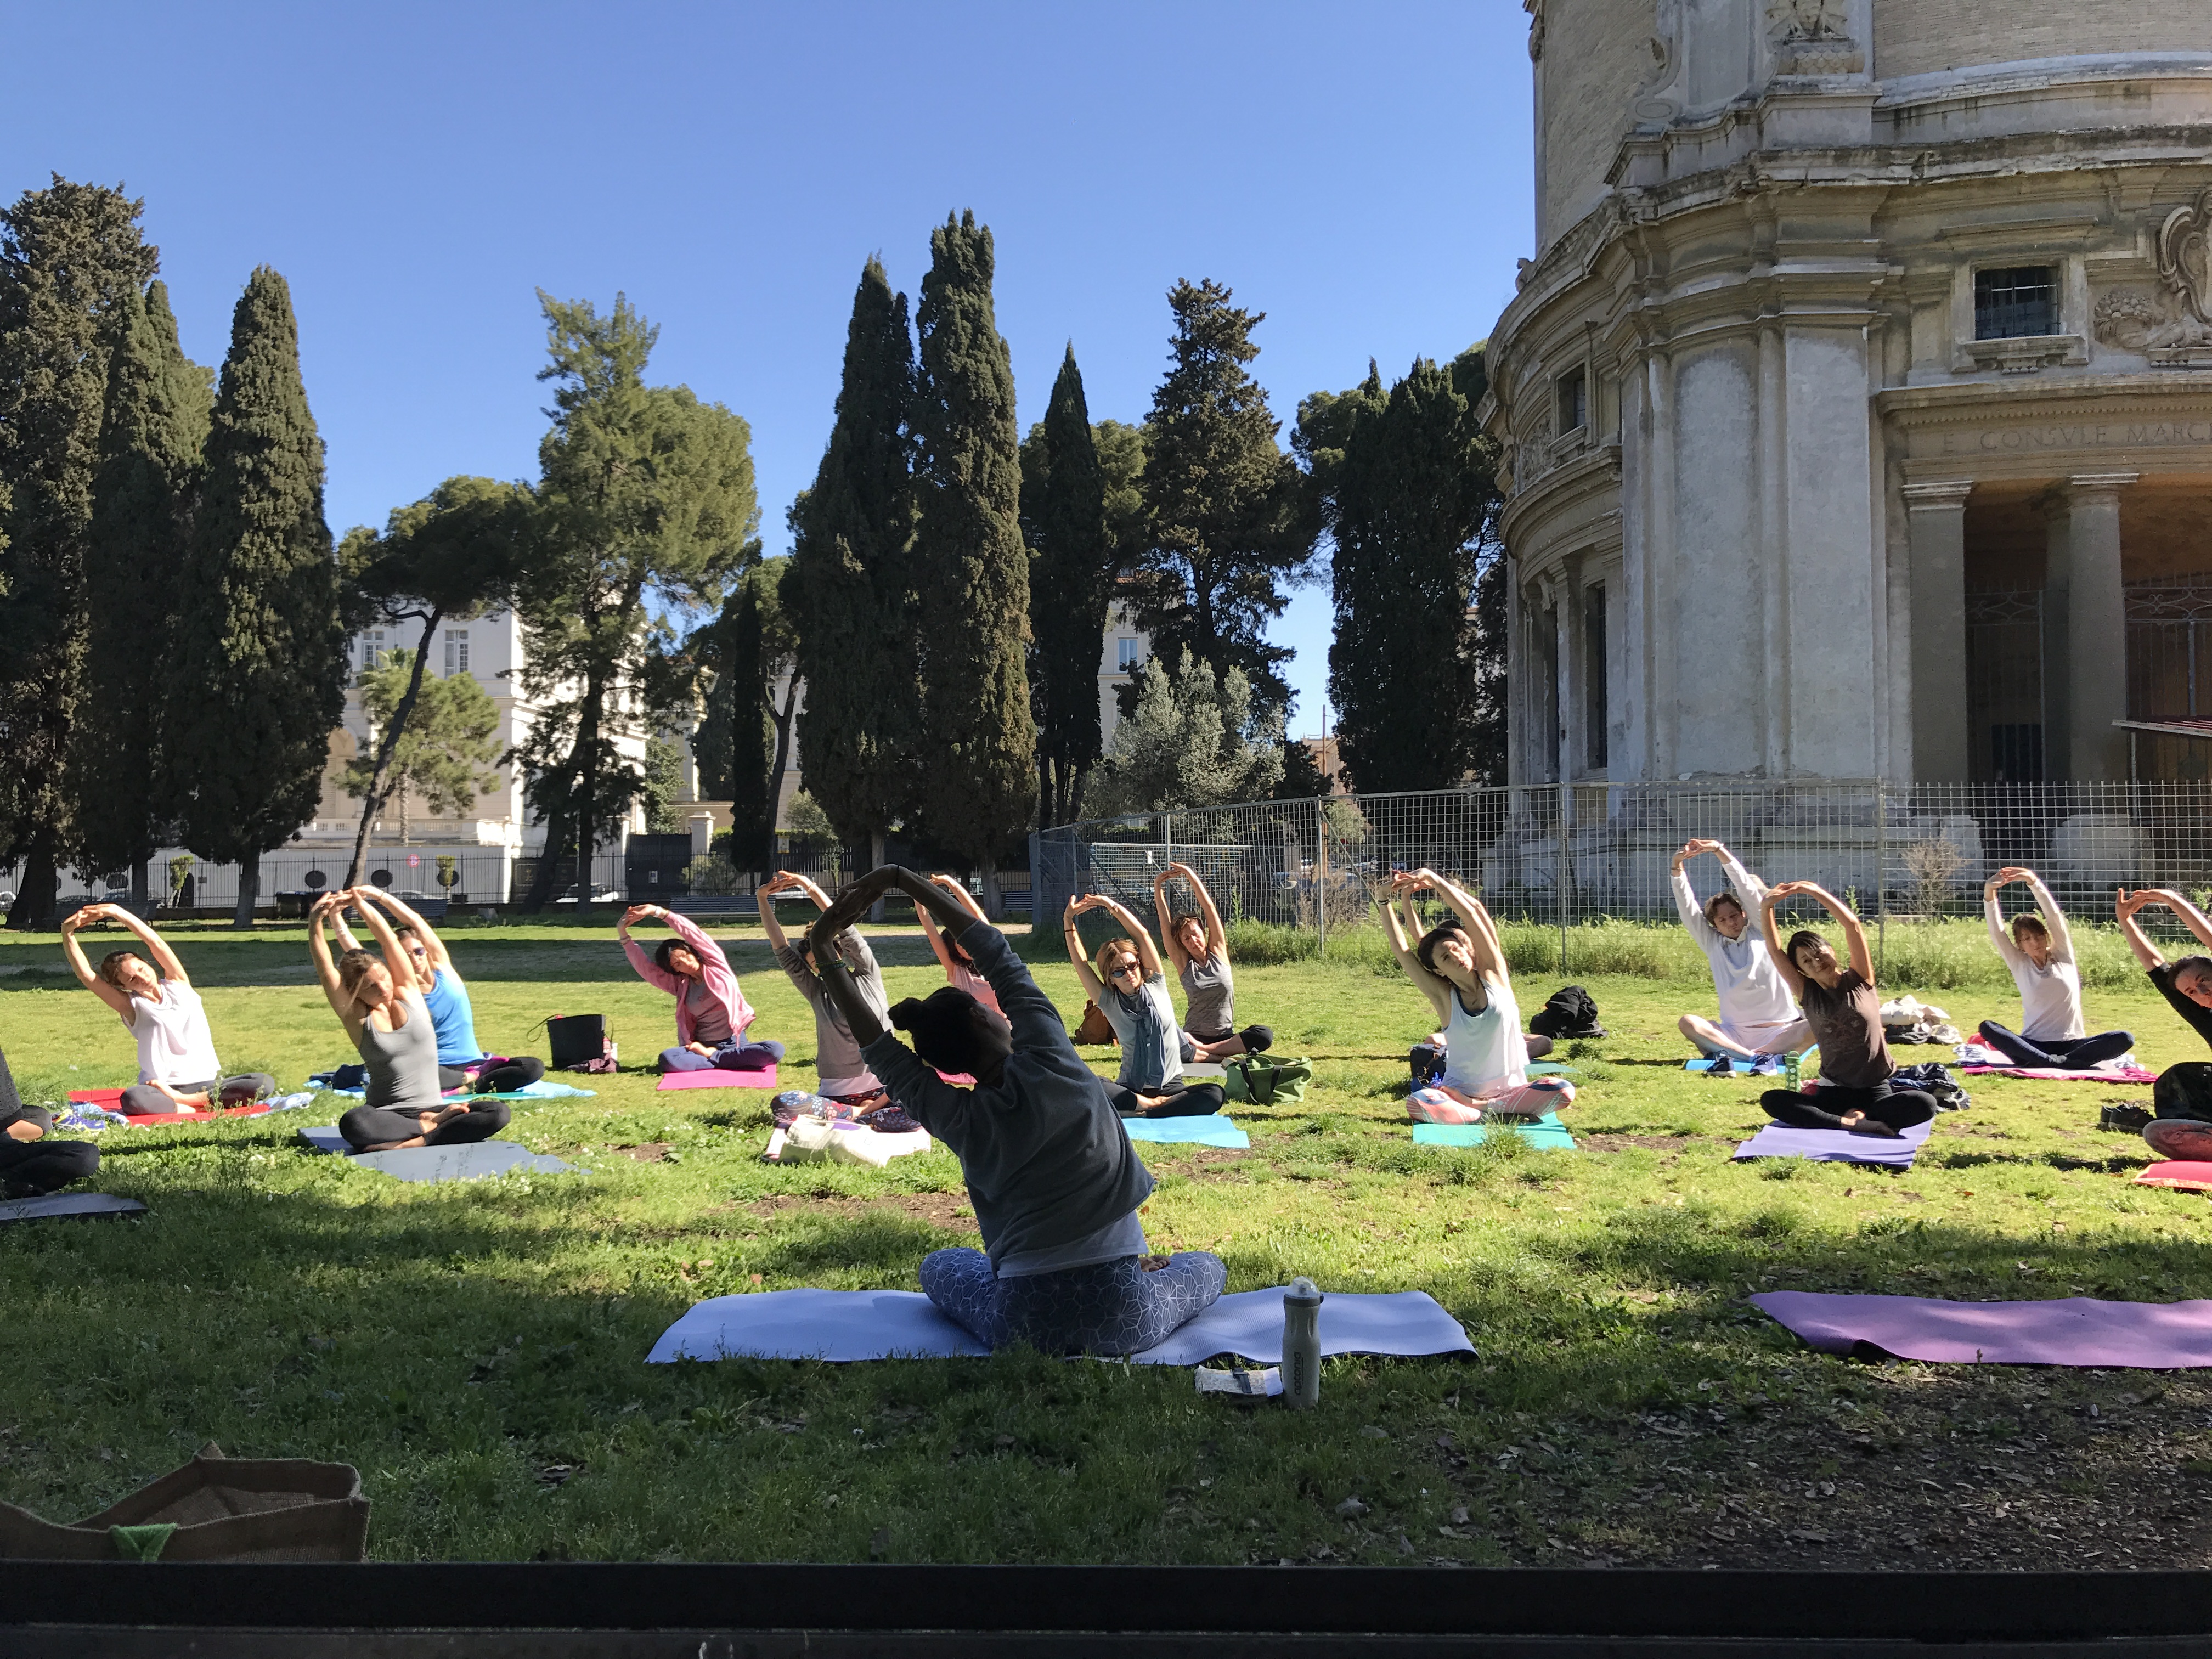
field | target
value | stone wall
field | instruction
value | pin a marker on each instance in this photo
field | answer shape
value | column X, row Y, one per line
column 1919, row 37
column 1594, row 54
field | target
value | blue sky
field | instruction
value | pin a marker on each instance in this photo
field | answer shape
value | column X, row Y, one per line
column 1360, row 173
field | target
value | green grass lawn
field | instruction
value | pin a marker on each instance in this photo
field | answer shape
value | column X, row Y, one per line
column 477, row 1350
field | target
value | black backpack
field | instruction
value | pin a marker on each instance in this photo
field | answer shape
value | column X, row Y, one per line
column 1570, row 1011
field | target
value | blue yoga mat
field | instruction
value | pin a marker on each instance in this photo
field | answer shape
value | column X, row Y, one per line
column 51, row 1206
column 1215, row 1131
column 1548, row 1068
column 1546, row 1131
column 1835, row 1145
column 1736, row 1068
column 843, row 1325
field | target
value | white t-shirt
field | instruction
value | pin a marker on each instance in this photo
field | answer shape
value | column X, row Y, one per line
column 174, row 1044
column 2050, row 996
column 1746, row 982
column 1484, row 1054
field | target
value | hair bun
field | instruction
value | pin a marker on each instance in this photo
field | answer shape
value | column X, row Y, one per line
column 906, row 1015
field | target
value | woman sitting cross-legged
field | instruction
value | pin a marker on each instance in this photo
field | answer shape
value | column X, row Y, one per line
column 1054, row 1181
column 32, row 1162
column 712, row 1014
column 462, row 1062
column 1844, row 1011
column 1460, row 968
column 841, row 1074
column 1131, row 990
column 1198, row 950
column 1758, row 1020
column 2039, row 952
column 380, row 1005
column 2183, row 1094
column 178, row 1070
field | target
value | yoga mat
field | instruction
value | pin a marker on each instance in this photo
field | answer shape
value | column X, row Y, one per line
column 1214, row 1131
column 843, row 1325
column 1835, row 1145
column 1548, row 1068
column 716, row 1079
column 462, row 1163
column 1546, row 1131
column 1205, row 1071
column 54, row 1205
column 2071, row 1330
column 1736, row 1068
column 2194, row 1177
column 2093, row 1074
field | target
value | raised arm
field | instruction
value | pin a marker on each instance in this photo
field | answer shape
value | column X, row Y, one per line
column 2191, row 918
column 2147, row 955
column 1854, row 939
column 1163, row 913
column 1403, row 923
column 87, row 975
column 1217, row 936
column 1482, row 933
column 937, row 935
column 2054, row 918
column 1084, row 973
column 319, row 947
column 1993, row 915
column 400, row 964
column 1771, row 931
column 1148, row 954
column 346, row 940
column 1746, row 886
column 1685, row 897
column 433, row 946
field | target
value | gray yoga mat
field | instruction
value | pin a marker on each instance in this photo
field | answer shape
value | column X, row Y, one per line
column 843, row 1325
column 468, row 1162
column 53, row 1205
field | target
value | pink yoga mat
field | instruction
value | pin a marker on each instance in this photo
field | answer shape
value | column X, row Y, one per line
column 717, row 1079
column 2071, row 1330
column 2095, row 1074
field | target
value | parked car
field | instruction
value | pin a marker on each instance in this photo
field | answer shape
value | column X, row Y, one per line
column 600, row 894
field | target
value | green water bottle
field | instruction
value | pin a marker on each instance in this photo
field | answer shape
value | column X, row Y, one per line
column 1793, row 1075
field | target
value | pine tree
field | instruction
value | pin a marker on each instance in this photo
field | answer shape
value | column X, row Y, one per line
column 1071, row 558
column 159, row 402
column 851, row 587
column 646, row 497
column 258, row 681
column 1407, row 481
column 752, row 798
column 70, row 255
column 1229, row 522
column 979, row 776
column 441, row 733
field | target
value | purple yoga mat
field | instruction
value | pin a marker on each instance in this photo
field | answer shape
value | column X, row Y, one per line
column 2073, row 1330
column 1835, row 1145
column 763, row 1078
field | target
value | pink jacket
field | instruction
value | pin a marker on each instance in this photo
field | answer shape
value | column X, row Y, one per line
column 714, row 966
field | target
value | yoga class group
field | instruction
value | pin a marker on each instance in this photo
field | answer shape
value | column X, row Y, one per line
column 990, row 1067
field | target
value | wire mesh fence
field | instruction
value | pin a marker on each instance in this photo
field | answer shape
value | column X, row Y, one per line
column 1568, row 855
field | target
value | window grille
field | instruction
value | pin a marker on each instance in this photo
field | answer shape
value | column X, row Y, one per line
column 2015, row 302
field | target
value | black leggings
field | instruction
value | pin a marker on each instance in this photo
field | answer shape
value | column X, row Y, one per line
column 1901, row 1108
column 504, row 1078
column 1184, row 1099
column 30, row 1167
column 2056, row 1054
column 144, row 1100
column 373, row 1125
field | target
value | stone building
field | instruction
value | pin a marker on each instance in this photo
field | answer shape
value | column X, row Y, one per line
column 1857, row 403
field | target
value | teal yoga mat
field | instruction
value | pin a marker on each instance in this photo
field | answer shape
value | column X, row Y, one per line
column 1548, row 1068
column 1546, row 1131
column 1215, row 1131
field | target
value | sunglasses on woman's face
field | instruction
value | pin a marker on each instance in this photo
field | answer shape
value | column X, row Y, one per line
column 1128, row 968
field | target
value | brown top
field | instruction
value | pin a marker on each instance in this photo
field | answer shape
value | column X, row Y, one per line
column 1846, row 1023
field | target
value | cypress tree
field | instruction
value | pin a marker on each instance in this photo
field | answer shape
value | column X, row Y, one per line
column 1229, row 517
column 1072, row 559
column 68, row 256
column 979, row 777
column 851, row 586
column 752, row 809
column 1411, row 486
column 156, row 425
column 258, row 681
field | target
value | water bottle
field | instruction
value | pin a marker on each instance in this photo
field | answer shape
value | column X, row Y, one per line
column 1793, row 1074
column 1301, row 1345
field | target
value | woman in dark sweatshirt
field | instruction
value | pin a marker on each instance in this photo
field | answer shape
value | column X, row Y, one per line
column 1054, row 1180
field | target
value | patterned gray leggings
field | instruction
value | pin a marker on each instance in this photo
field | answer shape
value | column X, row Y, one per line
column 1112, row 1308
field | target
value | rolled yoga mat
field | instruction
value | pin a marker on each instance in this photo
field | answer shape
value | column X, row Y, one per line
column 2065, row 1331
column 845, row 1326
column 468, row 1161
column 1835, row 1145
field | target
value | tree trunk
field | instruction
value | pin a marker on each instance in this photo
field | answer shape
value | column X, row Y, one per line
column 387, row 744
column 549, row 861
column 989, row 896
column 40, row 885
column 249, row 889
column 876, row 862
column 139, row 883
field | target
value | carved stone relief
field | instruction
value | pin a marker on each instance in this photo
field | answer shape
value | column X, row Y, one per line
column 1813, row 36
column 2171, row 325
column 1536, row 10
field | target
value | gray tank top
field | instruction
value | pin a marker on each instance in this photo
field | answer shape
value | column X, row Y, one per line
column 403, row 1065
column 1212, row 989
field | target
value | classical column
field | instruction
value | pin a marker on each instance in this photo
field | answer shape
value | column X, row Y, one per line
column 1936, row 516
column 2087, row 663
